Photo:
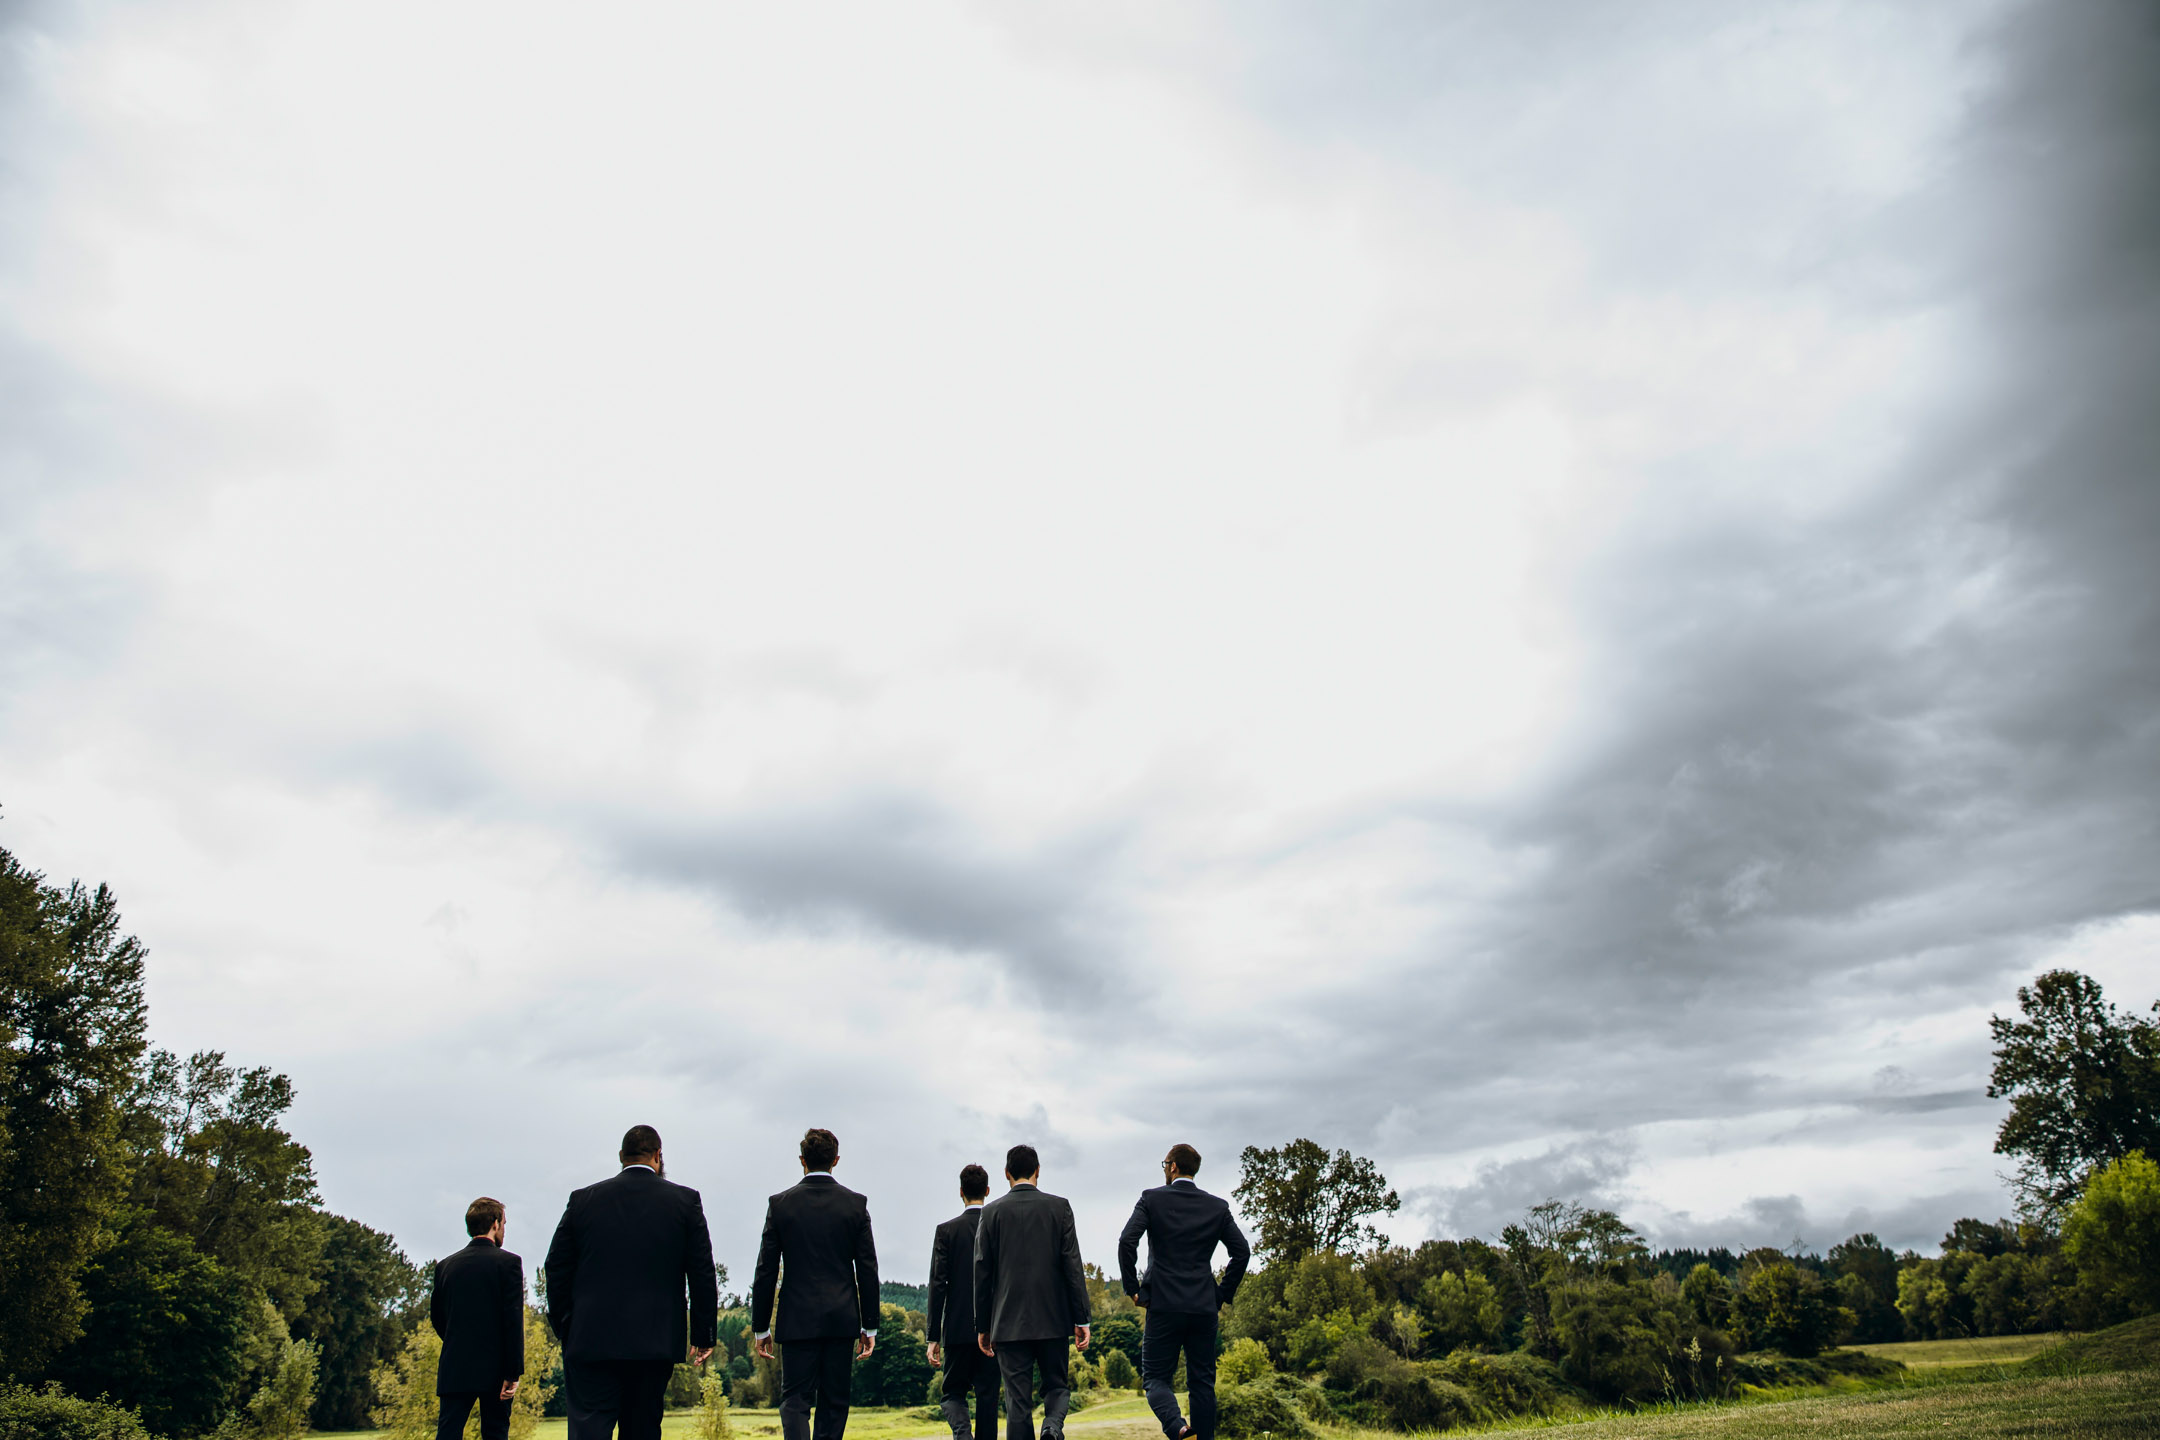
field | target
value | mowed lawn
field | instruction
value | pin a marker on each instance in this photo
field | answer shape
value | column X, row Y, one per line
column 1989, row 1350
column 1116, row 1420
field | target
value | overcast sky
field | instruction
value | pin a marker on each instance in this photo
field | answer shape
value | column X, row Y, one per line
column 1562, row 595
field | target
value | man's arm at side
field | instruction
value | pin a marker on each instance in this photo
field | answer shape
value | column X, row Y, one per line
column 985, row 1280
column 765, row 1283
column 1128, row 1247
column 698, row 1275
column 1076, row 1291
column 866, row 1276
column 1233, row 1240
column 940, row 1282
column 561, row 1269
column 512, row 1314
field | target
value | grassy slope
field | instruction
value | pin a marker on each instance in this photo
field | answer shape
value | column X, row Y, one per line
column 1989, row 1350
column 2103, row 1386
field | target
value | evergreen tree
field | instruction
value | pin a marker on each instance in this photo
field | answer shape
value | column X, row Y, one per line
column 71, row 1032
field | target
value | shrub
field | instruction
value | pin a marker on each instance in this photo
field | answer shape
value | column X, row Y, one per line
column 710, row 1421
column 2113, row 1234
column 1119, row 1372
column 48, row 1414
column 1244, row 1362
column 1634, row 1341
column 405, row 1406
column 1414, row 1398
column 1782, row 1307
column 279, row 1411
column 1246, row 1411
column 1514, row 1384
column 1461, row 1310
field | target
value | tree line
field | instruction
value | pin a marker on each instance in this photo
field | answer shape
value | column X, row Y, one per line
column 163, row 1245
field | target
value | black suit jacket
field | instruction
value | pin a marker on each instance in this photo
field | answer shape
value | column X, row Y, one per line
column 1028, row 1284
column 952, row 1279
column 1183, row 1225
column 478, row 1307
column 622, row 1258
column 821, row 1229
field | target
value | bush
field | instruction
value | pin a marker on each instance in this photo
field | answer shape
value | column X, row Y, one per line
column 2113, row 1234
column 279, row 1411
column 1246, row 1411
column 1119, row 1372
column 1414, row 1398
column 1783, row 1307
column 1244, row 1362
column 1461, row 1310
column 710, row 1421
column 1770, row 1370
column 48, row 1414
column 1634, row 1341
column 1514, row 1384
column 406, row 1407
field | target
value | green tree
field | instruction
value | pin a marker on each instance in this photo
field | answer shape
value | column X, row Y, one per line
column 1119, row 1372
column 1708, row 1296
column 1867, row 1281
column 1780, row 1306
column 279, row 1411
column 898, row 1368
column 2083, row 1081
column 1461, row 1310
column 2112, row 1234
column 1301, row 1200
column 167, row 1331
column 71, row 1032
column 364, row 1285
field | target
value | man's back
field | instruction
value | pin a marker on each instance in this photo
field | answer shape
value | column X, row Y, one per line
column 1183, row 1225
column 952, row 1279
column 622, row 1258
column 478, row 1308
column 820, row 1230
column 1028, row 1281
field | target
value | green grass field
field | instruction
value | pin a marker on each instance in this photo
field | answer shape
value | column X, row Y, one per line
column 1937, row 1354
column 2104, row 1386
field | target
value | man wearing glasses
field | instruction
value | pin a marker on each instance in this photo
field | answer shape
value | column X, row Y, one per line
column 1183, row 1225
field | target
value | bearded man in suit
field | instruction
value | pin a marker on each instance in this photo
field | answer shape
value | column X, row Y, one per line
column 631, row 1292
column 1182, row 1224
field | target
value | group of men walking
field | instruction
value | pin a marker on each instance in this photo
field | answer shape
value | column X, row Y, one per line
column 631, row 1293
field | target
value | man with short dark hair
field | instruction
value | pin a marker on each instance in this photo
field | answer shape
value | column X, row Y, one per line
column 1031, row 1300
column 1183, row 1225
column 626, row 1254
column 819, row 1230
column 952, row 1315
column 477, row 1307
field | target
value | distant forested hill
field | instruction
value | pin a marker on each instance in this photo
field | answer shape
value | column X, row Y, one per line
column 907, row 1297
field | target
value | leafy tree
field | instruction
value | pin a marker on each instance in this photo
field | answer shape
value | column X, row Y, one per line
column 1708, row 1296
column 364, row 1283
column 71, row 1032
column 405, row 1385
column 1628, row 1339
column 1461, row 1310
column 895, row 1372
column 279, row 1411
column 215, row 1164
column 167, row 1331
column 2083, row 1081
column 1780, row 1306
column 1121, row 1333
column 1302, row 1200
column 1867, row 1281
column 1119, row 1372
column 2113, row 1234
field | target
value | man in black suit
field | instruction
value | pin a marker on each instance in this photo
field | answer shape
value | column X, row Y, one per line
column 1183, row 1225
column 478, row 1308
column 1031, row 1301
column 952, row 1314
column 625, row 1256
column 820, row 1231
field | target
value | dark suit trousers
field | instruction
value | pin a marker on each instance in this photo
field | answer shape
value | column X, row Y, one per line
column 1166, row 1337
column 621, row 1397
column 494, row 1416
column 818, row 1373
column 967, row 1370
column 1018, row 1360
